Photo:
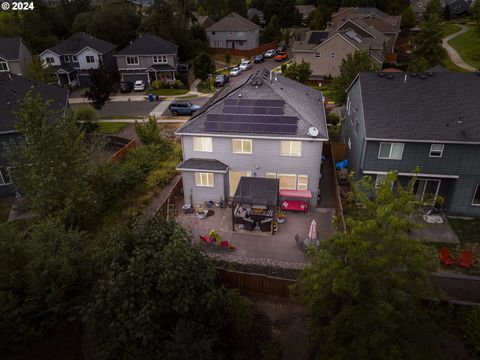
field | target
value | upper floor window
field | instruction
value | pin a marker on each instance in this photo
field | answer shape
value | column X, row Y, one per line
column 316, row 54
column 332, row 55
column 476, row 196
column 213, row 32
column 49, row 60
column 291, row 148
column 90, row 59
column 242, row 146
column 66, row 58
column 392, row 151
column 161, row 59
column 202, row 144
column 74, row 58
column 436, row 150
column 132, row 60
column 5, row 178
column 3, row 66
column 204, row 179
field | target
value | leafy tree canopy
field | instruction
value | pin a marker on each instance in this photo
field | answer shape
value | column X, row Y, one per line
column 298, row 72
column 408, row 19
column 203, row 65
column 100, row 87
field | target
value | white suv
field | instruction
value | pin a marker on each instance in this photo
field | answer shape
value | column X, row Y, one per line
column 245, row 65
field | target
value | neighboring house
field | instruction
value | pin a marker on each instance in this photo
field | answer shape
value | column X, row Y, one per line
column 266, row 128
column 75, row 56
column 305, row 10
column 252, row 12
column 202, row 20
column 13, row 89
column 457, row 7
column 369, row 23
column 15, row 55
column 324, row 51
column 148, row 58
column 428, row 122
column 419, row 7
column 234, row 32
column 142, row 3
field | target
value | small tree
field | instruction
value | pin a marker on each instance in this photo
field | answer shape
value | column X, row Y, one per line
column 352, row 64
column 287, row 35
column 475, row 11
column 364, row 288
column 37, row 71
column 100, row 87
column 408, row 19
column 272, row 30
column 227, row 58
column 86, row 116
column 203, row 66
column 148, row 131
column 299, row 72
column 433, row 9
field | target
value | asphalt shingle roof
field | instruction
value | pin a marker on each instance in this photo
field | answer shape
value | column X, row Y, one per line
column 441, row 106
column 301, row 101
column 202, row 164
column 13, row 89
column 233, row 21
column 149, row 44
column 10, row 48
column 78, row 42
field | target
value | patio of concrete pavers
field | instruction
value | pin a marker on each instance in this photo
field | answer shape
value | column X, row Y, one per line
column 259, row 245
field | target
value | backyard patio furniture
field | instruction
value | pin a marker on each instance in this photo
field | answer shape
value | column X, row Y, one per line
column 465, row 260
column 292, row 203
column 310, row 242
column 298, row 241
column 266, row 225
column 445, row 258
column 249, row 224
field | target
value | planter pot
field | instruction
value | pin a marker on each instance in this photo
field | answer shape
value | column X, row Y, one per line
column 281, row 221
column 202, row 215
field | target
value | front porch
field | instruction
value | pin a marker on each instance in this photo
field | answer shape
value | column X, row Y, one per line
column 164, row 73
column 66, row 76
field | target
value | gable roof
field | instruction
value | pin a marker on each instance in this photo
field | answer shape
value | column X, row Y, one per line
column 233, row 21
column 149, row 44
column 300, row 101
column 79, row 41
column 305, row 8
column 13, row 89
column 203, row 164
column 433, row 107
column 10, row 48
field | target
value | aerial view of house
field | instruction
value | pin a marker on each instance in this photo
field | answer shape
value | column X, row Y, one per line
column 15, row 56
column 75, row 56
column 234, row 32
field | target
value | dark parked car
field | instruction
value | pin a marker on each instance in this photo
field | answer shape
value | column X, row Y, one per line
column 259, row 59
column 221, row 80
column 281, row 48
column 182, row 108
column 126, row 86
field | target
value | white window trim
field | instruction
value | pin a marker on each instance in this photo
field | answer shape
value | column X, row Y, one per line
column 291, row 148
column 74, row 58
column 90, row 56
column 136, row 62
column 201, row 178
column 66, row 58
column 439, row 183
column 290, row 175
column 242, row 142
column 49, row 58
column 2, row 180
column 203, row 140
column 316, row 54
column 232, row 193
column 271, row 173
column 377, row 179
column 6, row 64
column 441, row 151
column 298, row 182
column 160, row 59
column 390, row 154
column 474, row 193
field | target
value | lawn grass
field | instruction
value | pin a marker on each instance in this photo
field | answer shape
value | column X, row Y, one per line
column 204, row 88
column 450, row 65
column 449, row 29
column 468, row 45
column 467, row 230
column 234, row 60
column 110, row 127
column 108, row 117
column 168, row 92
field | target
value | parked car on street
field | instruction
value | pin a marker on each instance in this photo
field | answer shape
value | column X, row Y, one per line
column 270, row 53
column 182, row 108
column 235, row 71
column 259, row 59
column 139, row 85
column 281, row 48
column 126, row 86
column 221, row 80
column 245, row 65
column 281, row 56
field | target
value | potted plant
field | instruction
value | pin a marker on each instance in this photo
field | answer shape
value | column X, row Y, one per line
column 281, row 217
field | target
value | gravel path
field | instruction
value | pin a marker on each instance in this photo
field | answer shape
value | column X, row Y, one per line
column 452, row 53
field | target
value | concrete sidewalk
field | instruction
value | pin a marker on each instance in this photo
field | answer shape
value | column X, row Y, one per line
column 164, row 119
column 452, row 53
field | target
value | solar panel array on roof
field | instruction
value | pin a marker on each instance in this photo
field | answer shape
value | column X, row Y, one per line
column 317, row 37
column 254, row 102
column 252, row 110
column 271, row 124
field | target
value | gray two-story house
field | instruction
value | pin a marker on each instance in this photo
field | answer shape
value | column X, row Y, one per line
column 13, row 89
column 234, row 32
column 75, row 56
column 423, row 125
column 15, row 55
column 148, row 58
column 269, row 127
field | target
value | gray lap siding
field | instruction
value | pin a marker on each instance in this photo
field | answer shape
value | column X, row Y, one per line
column 200, row 194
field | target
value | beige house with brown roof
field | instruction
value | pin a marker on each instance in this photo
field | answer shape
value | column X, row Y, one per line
column 234, row 32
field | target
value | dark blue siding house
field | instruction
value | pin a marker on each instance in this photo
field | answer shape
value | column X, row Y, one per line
column 418, row 122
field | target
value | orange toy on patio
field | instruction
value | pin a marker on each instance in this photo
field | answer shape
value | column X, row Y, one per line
column 445, row 258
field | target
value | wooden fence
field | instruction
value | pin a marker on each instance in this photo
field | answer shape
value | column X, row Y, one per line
column 120, row 154
column 329, row 153
column 255, row 284
column 339, row 150
column 169, row 194
column 246, row 53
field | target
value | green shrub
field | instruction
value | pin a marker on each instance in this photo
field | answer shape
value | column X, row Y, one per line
column 177, row 84
column 160, row 177
column 148, row 131
column 333, row 119
column 159, row 84
column 470, row 320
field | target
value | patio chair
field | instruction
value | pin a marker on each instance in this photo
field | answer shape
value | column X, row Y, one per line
column 466, row 259
column 266, row 225
column 249, row 224
column 445, row 258
column 299, row 241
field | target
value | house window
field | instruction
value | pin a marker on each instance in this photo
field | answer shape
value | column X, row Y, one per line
column 392, row 151
column 302, row 183
column 287, row 181
column 476, row 196
column 242, row 146
column 202, row 144
column 291, row 148
column 66, row 58
column 332, row 55
column 426, row 190
column 74, row 58
column 49, row 60
column 213, row 32
column 240, row 33
column 380, row 179
column 161, row 59
column 240, row 43
column 235, row 179
column 132, row 60
column 271, row 175
column 90, row 59
column 316, row 54
column 436, row 150
column 204, row 179
column 5, row 178
column 3, row 66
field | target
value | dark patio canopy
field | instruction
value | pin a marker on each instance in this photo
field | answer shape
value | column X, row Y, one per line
column 257, row 191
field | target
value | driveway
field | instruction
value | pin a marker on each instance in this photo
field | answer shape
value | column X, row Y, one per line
column 452, row 53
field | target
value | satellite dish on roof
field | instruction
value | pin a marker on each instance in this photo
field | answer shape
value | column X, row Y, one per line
column 313, row 131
